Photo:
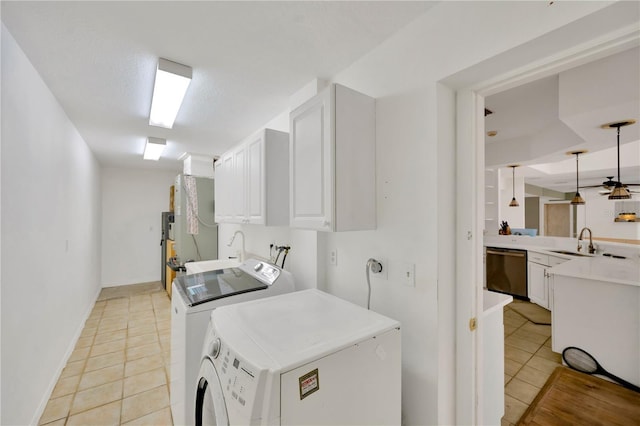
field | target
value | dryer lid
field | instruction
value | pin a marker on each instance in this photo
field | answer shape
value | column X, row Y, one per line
column 211, row 285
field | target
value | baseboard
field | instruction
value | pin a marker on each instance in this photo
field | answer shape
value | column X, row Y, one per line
column 63, row 363
column 143, row 280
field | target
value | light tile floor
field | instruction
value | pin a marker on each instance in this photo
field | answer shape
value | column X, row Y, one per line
column 118, row 372
column 528, row 362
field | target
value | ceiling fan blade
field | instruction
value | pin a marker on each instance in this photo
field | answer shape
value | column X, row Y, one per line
column 594, row 186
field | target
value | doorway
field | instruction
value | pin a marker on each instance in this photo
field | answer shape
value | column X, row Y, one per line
column 557, row 220
column 470, row 90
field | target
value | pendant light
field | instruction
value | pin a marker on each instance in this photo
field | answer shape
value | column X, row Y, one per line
column 514, row 202
column 577, row 199
column 619, row 191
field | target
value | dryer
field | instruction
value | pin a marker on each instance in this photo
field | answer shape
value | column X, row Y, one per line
column 299, row 359
column 194, row 297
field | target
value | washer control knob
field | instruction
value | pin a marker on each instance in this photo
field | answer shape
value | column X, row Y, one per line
column 258, row 267
column 214, row 348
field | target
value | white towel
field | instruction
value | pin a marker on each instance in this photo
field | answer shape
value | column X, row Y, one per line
column 192, row 204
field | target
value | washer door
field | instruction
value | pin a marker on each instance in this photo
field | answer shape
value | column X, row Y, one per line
column 210, row 407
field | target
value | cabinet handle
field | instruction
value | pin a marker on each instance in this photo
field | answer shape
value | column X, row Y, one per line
column 505, row 253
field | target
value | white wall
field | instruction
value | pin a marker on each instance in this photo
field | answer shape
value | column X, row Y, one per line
column 50, row 237
column 415, row 157
column 412, row 162
column 132, row 203
column 598, row 214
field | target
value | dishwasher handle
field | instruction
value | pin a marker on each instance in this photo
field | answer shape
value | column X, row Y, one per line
column 506, row 253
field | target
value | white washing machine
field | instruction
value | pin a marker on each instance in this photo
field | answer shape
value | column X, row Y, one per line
column 303, row 358
column 194, row 297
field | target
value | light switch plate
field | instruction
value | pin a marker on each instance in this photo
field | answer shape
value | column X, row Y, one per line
column 408, row 274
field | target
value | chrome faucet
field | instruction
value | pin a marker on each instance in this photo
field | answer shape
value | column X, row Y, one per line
column 591, row 248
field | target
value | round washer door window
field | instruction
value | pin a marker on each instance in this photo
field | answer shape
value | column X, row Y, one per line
column 210, row 407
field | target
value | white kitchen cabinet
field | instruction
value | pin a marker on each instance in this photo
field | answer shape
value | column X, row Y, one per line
column 538, row 284
column 491, row 327
column 239, row 184
column 600, row 316
column 254, row 181
column 223, row 169
column 332, row 169
column 539, row 277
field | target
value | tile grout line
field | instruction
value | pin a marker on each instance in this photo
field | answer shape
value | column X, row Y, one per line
column 84, row 363
column 100, row 318
column 536, row 353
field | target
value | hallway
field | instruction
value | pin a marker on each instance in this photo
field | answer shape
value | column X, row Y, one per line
column 120, row 369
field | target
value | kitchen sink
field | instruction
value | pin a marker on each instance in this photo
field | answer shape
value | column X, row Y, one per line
column 570, row 253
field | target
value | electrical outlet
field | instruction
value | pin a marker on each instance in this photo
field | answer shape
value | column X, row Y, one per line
column 409, row 274
column 333, row 257
column 384, row 274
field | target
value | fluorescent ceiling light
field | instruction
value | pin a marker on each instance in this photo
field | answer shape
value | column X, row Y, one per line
column 172, row 81
column 154, row 147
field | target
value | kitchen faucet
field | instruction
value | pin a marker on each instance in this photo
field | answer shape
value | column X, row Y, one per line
column 591, row 248
column 231, row 242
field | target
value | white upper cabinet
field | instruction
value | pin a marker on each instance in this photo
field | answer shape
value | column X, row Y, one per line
column 239, row 181
column 222, row 185
column 254, row 182
column 332, row 162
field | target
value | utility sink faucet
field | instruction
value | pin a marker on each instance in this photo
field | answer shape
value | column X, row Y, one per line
column 242, row 253
column 592, row 249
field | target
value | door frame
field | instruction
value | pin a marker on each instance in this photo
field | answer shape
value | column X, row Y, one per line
column 470, row 198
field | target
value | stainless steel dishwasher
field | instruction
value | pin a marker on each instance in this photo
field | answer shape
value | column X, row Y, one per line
column 507, row 271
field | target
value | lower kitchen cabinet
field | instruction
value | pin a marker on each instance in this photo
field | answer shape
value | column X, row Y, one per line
column 538, row 284
column 539, row 277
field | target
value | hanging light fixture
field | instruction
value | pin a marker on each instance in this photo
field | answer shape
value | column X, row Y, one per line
column 619, row 191
column 514, row 202
column 577, row 199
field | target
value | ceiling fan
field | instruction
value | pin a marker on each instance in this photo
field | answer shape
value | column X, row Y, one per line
column 610, row 184
column 619, row 191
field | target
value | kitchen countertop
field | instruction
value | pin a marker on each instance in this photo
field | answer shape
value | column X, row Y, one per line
column 542, row 249
column 587, row 266
column 493, row 301
column 619, row 271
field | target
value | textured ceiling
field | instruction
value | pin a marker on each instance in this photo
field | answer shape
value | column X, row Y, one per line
column 248, row 58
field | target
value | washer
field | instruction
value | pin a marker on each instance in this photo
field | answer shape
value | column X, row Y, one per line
column 194, row 297
column 299, row 359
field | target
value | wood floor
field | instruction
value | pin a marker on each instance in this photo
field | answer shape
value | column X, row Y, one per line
column 537, row 394
column 573, row 398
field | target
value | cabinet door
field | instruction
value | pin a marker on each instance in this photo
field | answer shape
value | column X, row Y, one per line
column 311, row 153
column 538, row 285
column 238, row 187
column 222, row 188
column 256, row 180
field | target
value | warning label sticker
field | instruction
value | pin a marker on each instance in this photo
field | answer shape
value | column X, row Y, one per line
column 309, row 383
